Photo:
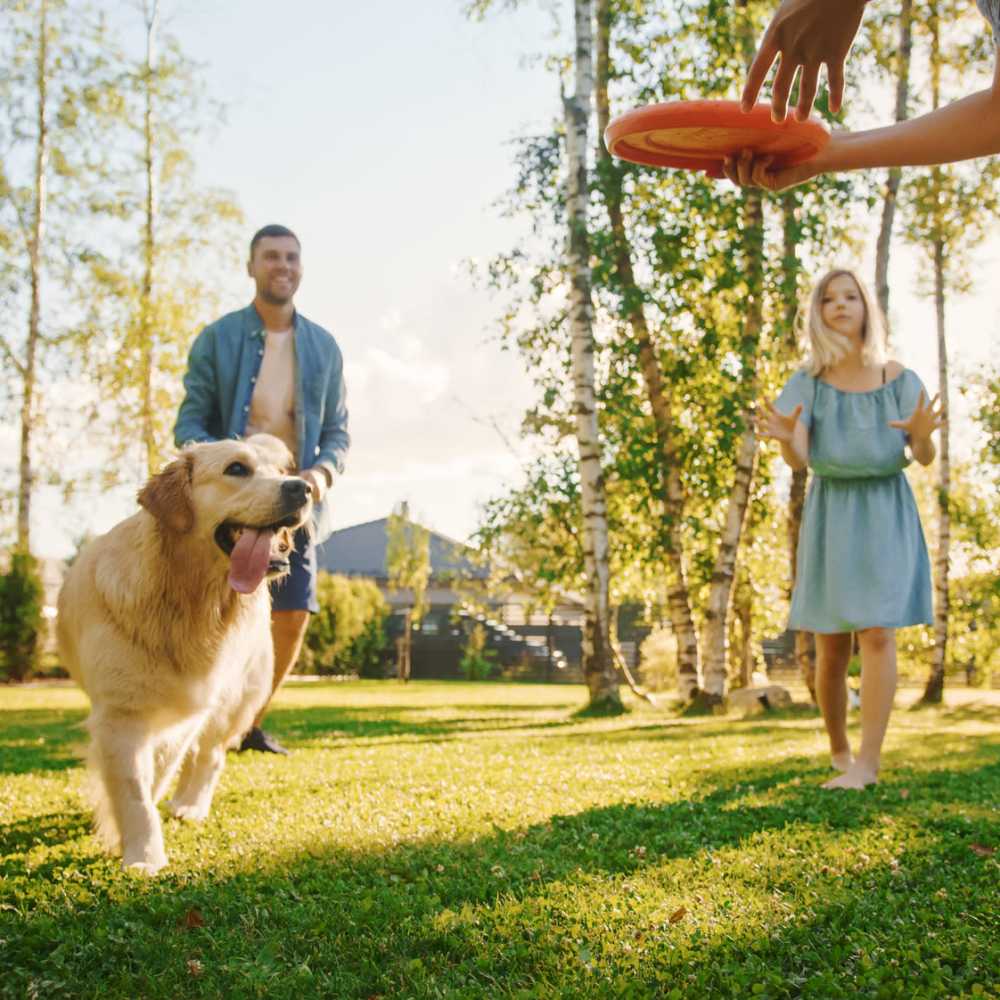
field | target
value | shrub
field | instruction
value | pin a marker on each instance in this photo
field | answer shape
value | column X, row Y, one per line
column 658, row 660
column 21, row 621
column 347, row 634
column 477, row 661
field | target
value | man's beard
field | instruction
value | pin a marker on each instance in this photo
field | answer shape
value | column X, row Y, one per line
column 276, row 299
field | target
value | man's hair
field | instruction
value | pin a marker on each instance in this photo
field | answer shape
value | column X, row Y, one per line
column 271, row 230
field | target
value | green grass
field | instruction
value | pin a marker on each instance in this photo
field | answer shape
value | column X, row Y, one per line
column 481, row 840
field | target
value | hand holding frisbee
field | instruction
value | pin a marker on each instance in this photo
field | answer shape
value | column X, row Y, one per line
column 708, row 135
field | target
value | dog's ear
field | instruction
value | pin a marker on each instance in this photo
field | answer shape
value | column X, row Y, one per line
column 167, row 496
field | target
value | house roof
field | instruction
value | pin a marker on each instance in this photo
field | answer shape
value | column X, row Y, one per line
column 360, row 551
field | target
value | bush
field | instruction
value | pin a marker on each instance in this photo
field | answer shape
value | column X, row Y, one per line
column 658, row 660
column 347, row 634
column 477, row 661
column 21, row 621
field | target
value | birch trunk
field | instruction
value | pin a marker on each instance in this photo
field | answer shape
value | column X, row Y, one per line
column 598, row 662
column 884, row 243
column 35, row 238
column 671, row 487
column 714, row 630
column 934, row 690
column 805, row 642
column 146, row 331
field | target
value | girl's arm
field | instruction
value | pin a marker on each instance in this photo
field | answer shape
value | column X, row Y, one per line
column 796, row 452
column 964, row 130
column 923, row 450
column 925, row 419
column 790, row 433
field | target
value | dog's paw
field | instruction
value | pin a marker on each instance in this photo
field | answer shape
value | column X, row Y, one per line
column 190, row 812
column 146, row 868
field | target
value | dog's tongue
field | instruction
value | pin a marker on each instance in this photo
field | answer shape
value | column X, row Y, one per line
column 248, row 562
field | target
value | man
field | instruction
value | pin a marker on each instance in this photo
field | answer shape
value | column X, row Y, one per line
column 267, row 369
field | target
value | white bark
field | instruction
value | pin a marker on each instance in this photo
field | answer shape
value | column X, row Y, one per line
column 713, row 646
column 597, row 658
column 678, row 597
column 714, row 634
column 884, row 243
column 151, row 10
column 935, row 683
column 35, row 238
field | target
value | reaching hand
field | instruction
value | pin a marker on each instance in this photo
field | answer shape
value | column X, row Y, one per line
column 804, row 33
column 772, row 423
column 924, row 420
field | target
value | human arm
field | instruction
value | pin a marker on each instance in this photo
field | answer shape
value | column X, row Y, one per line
column 806, row 33
column 926, row 418
column 964, row 130
column 200, row 400
column 789, row 431
column 334, row 439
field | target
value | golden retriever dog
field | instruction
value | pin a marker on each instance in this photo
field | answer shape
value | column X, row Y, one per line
column 165, row 622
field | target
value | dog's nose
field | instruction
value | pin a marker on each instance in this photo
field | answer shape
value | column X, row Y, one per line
column 295, row 492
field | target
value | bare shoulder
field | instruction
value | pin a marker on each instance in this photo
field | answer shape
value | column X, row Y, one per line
column 893, row 369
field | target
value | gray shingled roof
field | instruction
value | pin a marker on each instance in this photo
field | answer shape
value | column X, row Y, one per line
column 360, row 551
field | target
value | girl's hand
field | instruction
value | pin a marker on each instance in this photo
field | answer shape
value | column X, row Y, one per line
column 746, row 170
column 924, row 420
column 774, row 424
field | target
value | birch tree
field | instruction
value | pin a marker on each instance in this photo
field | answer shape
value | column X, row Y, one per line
column 714, row 643
column 148, row 300
column 899, row 60
column 50, row 55
column 950, row 210
column 598, row 662
column 671, row 489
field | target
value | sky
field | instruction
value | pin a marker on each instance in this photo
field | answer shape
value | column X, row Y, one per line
column 380, row 132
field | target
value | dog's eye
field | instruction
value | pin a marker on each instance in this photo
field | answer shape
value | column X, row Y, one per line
column 238, row 469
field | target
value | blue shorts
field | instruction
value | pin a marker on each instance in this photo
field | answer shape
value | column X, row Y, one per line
column 297, row 591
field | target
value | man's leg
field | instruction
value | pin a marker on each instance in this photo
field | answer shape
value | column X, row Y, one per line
column 288, row 629
column 292, row 599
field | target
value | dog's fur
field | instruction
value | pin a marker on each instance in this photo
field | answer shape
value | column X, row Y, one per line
column 176, row 662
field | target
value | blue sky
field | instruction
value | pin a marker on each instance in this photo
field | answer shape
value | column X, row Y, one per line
column 380, row 132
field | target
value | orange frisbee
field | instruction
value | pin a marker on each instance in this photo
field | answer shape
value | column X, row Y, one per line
column 698, row 135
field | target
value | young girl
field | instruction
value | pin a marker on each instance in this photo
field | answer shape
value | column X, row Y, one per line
column 862, row 562
column 808, row 33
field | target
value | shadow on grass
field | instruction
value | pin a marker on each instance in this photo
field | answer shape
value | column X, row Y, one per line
column 326, row 722
column 428, row 917
column 41, row 740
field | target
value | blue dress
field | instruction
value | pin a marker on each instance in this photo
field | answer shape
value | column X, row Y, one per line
column 862, row 560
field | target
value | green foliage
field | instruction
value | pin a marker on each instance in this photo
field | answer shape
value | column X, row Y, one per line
column 477, row 663
column 347, row 634
column 658, row 660
column 470, row 840
column 408, row 558
column 21, row 622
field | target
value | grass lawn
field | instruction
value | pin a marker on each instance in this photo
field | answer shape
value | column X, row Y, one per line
column 477, row 840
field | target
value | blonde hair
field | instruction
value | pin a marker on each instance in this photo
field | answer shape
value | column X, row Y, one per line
column 826, row 346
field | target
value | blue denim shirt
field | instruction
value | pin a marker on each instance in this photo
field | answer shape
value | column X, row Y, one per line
column 222, row 371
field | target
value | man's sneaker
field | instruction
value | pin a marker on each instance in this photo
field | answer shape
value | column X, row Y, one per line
column 257, row 739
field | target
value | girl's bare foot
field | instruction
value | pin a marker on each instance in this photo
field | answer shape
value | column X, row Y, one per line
column 858, row 776
column 841, row 761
